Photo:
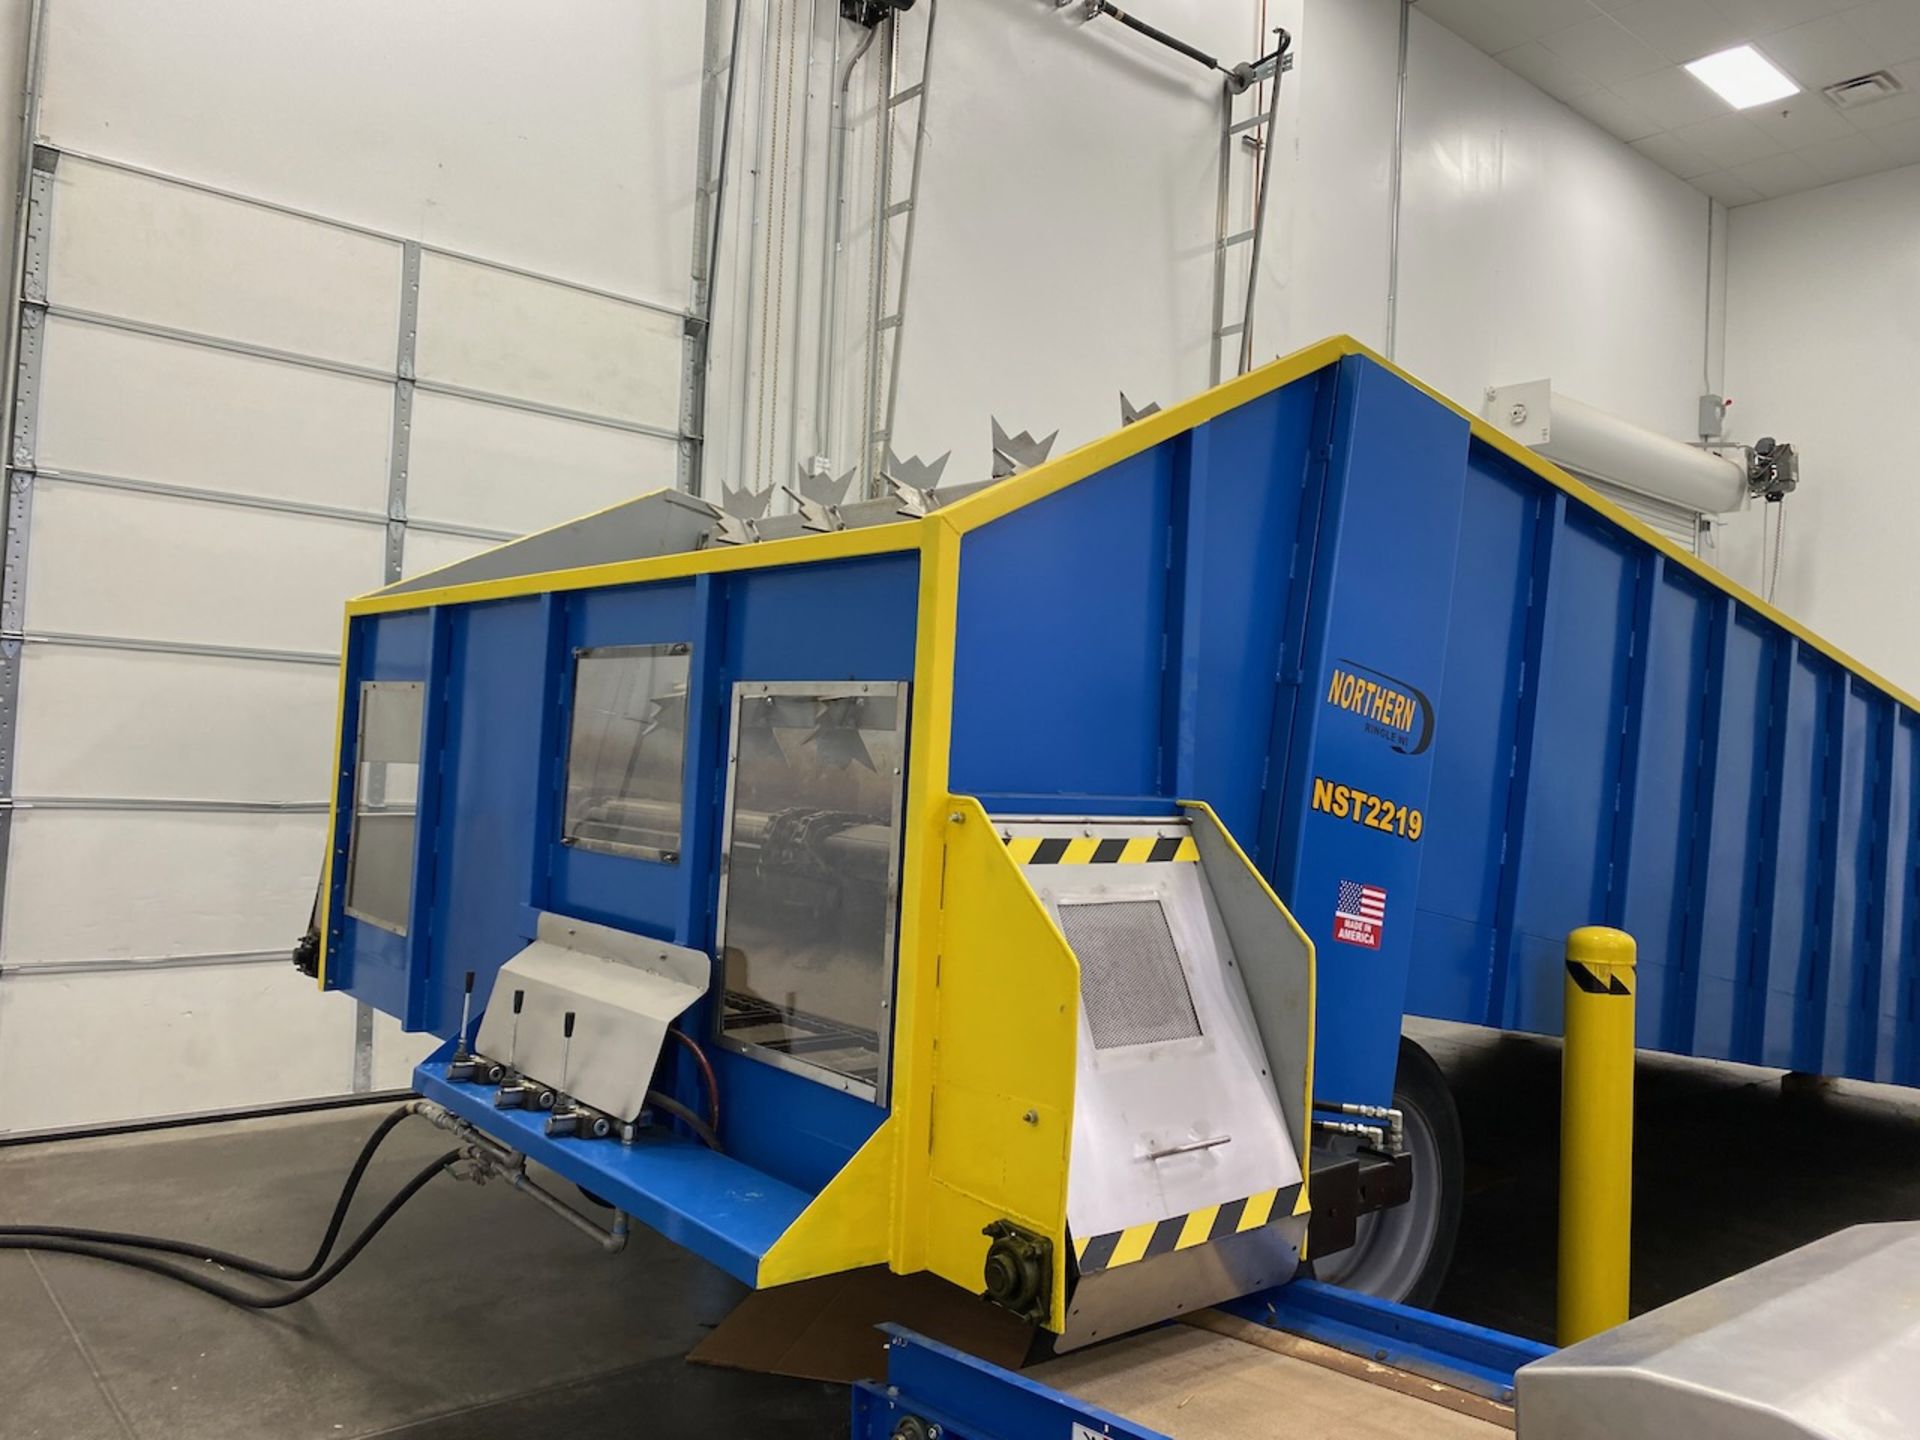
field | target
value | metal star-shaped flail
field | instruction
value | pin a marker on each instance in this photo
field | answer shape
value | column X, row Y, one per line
column 912, row 470
column 1014, row 453
column 822, row 519
column 911, row 482
column 1130, row 413
column 823, row 489
column 745, row 503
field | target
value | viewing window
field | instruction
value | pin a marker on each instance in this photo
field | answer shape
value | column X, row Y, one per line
column 808, row 894
column 386, row 794
column 626, row 750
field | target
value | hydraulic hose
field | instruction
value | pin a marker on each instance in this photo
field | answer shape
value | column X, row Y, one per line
column 706, row 1073
column 228, row 1293
column 704, row 1132
column 242, row 1263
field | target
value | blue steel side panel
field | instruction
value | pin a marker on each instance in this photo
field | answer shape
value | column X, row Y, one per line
column 1120, row 643
column 1240, row 556
column 1062, row 617
column 1731, row 879
column 645, row 896
column 1622, row 743
column 485, row 839
column 715, row 1206
column 1572, row 758
column 368, row 962
column 1383, row 575
column 1473, row 749
column 1896, row 1055
column 1653, row 843
column 491, row 851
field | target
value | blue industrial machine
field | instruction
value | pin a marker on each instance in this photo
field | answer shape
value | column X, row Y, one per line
column 896, row 884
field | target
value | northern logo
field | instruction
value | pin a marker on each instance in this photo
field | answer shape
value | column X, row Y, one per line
column 1397, row 712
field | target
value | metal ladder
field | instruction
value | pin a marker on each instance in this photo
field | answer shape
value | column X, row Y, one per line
column 888, row 299
column 1259, row 128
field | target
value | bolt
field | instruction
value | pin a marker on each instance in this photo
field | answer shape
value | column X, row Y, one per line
column 1032, row 1117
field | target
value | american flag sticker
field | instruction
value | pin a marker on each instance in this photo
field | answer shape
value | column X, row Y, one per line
column 1358, row 914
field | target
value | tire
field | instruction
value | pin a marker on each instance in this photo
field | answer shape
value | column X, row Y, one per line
column 1403, row 1253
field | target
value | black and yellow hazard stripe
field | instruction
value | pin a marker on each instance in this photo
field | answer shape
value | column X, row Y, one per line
column 1180, row 1232
column 1618, row 980
column 1092, row 850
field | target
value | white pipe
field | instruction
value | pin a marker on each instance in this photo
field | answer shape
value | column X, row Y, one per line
column 1599, row 446
column 1592, row 442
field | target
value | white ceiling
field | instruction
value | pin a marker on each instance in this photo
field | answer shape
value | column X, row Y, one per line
column 1618, row 63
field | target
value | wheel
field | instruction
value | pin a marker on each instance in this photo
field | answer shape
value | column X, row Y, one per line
column 1403, row 1253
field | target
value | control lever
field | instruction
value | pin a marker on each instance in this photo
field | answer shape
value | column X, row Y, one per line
column 569, row 1116
column 460, row 1068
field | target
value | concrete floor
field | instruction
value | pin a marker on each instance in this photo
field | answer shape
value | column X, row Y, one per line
column 475, row 1315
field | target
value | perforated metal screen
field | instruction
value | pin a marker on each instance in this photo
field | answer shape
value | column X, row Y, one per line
column 1132, row 985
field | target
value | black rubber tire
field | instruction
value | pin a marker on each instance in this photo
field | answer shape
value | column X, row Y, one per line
column 1421, row 1094
column 1418, row 1084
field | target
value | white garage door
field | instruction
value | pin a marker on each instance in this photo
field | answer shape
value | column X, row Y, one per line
column 232, row 416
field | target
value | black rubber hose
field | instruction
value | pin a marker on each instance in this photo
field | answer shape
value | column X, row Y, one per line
column 227, row 1292
column 686, row 1117
column 223, row 1257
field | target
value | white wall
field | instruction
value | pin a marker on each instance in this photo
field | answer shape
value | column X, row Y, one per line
column 1064, row 254
column 1823, row 347
column 1532, row 243
column 150, row 884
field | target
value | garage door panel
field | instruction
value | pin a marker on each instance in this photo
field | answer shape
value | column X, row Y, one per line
column 182, row 884
column 122, row 404
column 514, row 470
column 395, row 1052
column 165, row 1042
column 108, row 562
column 123, row 723
column 488, row 329
column 142, row 249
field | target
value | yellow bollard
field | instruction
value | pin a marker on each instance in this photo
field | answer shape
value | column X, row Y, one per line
column 1596, row 1133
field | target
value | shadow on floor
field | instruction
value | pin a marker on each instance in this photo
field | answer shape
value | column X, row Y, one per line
column 1731, row 1167
column 472, row 1314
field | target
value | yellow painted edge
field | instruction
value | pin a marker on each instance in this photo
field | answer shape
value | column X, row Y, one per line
column 796, row 550
column 985, row 506
column 922, row 874
column 1485, row 430
column 1079, row 850
column 333, row 804
column 1301, row 1205
column 846, row 1225
column 1137, row 850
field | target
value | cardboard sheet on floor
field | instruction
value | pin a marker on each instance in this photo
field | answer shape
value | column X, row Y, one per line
column 825, row 1329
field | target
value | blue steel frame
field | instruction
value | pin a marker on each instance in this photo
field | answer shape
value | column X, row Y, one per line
column 1588, row 726
column 971, row 1399
column 1467, row 1357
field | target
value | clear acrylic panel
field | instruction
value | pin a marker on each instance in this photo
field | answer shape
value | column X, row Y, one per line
column 812, row 850
column 386, row 794
column 627, row 749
